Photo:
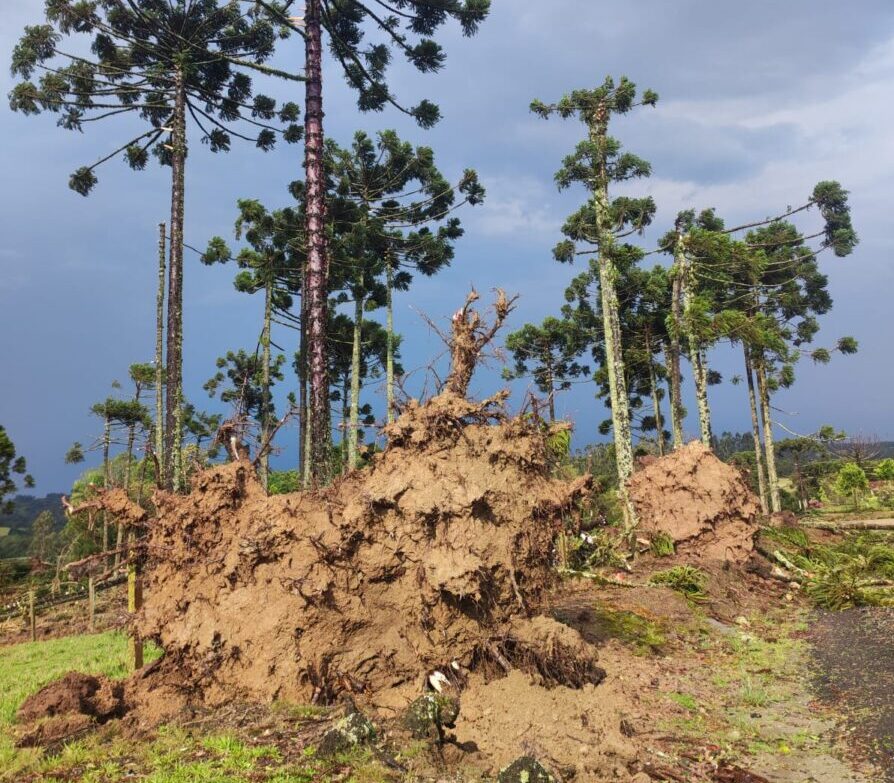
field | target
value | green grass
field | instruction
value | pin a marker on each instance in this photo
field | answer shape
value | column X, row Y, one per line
column 644, row 635
column 688, row 580
column 26, row 668
column 173, row 756
column 685, row 700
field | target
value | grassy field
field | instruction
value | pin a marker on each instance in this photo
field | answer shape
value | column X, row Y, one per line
column 173, row 756
column 26, row 668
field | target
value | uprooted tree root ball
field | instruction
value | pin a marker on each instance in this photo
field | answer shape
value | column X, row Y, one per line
column 699, row 502
column 431, row 566
column 439, row 552
column 437, row 556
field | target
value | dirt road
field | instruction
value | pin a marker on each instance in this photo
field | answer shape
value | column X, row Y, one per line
column 855, row 672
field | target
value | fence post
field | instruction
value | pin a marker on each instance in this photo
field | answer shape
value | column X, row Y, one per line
column 91, row 602
column 134, row 602
column 32, row 618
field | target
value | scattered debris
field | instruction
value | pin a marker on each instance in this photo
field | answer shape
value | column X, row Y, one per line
column 430, row 714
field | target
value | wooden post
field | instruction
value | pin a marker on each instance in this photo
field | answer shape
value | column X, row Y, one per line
column 91, row 602
column 134, row 602
column 32, row 617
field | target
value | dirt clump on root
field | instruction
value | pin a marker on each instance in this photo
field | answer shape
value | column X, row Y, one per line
column 438, row 552
column 68, row 707
column 700, row 502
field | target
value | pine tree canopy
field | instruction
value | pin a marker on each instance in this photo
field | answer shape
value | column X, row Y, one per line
column 139, row 52
column 404, row 27
column 11, row 465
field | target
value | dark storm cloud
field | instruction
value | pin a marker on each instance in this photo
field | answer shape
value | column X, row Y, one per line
column 759, row 100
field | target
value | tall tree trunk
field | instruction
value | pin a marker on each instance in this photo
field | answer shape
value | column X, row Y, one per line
column 620, row 403
column 700, row 374
column 551, row 401
column 769, row 453
column 159, row 358
column 696, row 351
column 317, row 262
column 106, row 479
column 756, row 434
column 389, row 339
column 174, row 395
column 302, row 387
column 306, row 470
column 131, row 436
column 265, row 381
column 354, row 411
column 345, row 416
column 656, row 406
column 674, row 392
column 617, row 387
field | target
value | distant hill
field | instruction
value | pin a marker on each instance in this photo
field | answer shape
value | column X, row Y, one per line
column 15, row 528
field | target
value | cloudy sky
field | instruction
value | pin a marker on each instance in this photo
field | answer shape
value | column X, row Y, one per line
column 759, row 101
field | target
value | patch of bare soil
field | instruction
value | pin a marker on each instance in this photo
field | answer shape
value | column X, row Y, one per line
column 855, row 661
column 574, row 732
column 700, row 502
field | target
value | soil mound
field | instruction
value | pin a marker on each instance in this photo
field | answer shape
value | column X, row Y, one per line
column 575, row 733
column 67, row 707
column 425, row 558
column 702, row 503
column 75, row 693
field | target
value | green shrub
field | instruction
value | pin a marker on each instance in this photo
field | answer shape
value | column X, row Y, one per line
column 884, row 471
column 662, row 545
column 851, row 480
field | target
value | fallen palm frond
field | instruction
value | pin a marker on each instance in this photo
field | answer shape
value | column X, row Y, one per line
column 855, row 571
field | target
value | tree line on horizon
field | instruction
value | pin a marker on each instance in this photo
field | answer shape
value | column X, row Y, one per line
column 370, row 216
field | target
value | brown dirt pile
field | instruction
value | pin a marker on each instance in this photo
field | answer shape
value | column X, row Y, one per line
column 702, row 503
column 440, row 551
column 69, row 706
column 575, row 733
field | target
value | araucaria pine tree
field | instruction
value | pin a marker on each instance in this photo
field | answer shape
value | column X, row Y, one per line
column 405, row 27
column 599, row 225
column 775, row 292
column 11, row 465
column 548, row 354
column 173, row 64
column 268, row 265
column 690, row 311
column 397, row 214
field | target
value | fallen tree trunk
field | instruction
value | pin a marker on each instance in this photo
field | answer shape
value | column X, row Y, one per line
column 848, row 525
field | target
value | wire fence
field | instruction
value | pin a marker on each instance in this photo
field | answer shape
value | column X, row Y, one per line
column 45, row 597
